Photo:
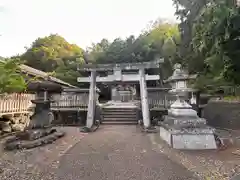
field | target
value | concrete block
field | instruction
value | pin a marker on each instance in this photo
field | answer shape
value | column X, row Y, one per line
column 165, row 135
column 188, row 141
column 194, row 142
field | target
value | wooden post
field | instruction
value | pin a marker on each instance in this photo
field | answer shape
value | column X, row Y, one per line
column 92, row 100
column 144, row 98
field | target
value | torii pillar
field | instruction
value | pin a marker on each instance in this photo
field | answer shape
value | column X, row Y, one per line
column 92, row 100
column 144, row 98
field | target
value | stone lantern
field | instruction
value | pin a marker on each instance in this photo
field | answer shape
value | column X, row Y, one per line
column 38, row 132
column 42, row 116
column 182, row 128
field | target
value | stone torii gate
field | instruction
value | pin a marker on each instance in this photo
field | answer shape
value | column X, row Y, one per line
column 117, row 77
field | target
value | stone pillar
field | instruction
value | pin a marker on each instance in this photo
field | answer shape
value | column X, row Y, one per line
column 45, row 95
column 92, row 99
column 144, row 98
column 114, row 93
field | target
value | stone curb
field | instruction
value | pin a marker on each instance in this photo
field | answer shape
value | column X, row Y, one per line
column 230, row 142
column 236, row 141
column 15, row 144
column 236, row 177
column 227, row 137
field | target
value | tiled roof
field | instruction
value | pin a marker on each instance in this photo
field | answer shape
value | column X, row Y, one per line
column 37, row 73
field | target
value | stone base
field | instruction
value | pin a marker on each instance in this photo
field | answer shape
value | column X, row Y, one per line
column 190, row 141
column 14, row 142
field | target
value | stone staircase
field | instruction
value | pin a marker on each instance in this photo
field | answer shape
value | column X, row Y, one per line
column 121, row 113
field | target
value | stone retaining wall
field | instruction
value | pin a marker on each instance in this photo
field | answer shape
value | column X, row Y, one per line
column 222, row 114
column 10, row 123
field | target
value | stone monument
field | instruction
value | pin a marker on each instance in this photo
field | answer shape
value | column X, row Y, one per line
column 38, row 132
column 42, row 116
column 182, row 128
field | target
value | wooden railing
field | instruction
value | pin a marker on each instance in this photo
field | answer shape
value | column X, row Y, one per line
column 69, row 100
column 21, row 103
column 15, row 103
column 160, row 98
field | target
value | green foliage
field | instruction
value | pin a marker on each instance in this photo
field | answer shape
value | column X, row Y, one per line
column 54, row 54
column 11, row 79
column 48, row 53
column 232, row 98
column 206, row 41
column 160, row 41
column 210, row 31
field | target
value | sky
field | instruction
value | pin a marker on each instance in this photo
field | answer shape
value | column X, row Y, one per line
column 82, row 22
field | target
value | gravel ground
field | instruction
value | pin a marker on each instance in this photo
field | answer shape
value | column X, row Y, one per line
column 38, row 163
column 113, row 152
column 206, row 164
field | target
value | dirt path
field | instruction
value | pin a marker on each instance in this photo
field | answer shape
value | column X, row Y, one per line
column 118, row 153
column 113, row 152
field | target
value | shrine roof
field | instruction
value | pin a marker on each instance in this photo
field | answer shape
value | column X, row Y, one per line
column 79, row 90
column 37, row 73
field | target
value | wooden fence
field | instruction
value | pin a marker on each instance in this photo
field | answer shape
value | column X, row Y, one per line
column 159, row 98
column 70, row 101
column 15, row 103
column 223, row 90
column 21, row 103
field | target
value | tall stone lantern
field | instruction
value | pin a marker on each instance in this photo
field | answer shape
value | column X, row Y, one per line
column 182, row 128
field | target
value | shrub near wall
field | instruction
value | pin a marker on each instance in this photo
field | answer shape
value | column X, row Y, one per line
column 223, row 114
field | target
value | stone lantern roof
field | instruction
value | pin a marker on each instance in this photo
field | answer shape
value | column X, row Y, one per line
column 179, row 74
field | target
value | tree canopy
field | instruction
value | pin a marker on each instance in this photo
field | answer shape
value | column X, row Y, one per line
column 54, row 54
column 161, row 40
column 11, row 79
column 206, row 42
column 210, row 32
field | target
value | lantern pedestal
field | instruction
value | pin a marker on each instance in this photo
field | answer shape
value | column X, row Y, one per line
column 42, row 116
column 194, row 139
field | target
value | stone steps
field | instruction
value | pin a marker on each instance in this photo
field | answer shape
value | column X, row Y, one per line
column 122, row 119
column 120, row 109
column 119, row 123
column 119, row 115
